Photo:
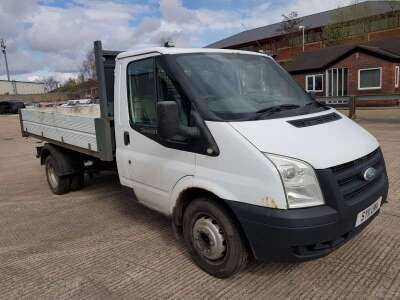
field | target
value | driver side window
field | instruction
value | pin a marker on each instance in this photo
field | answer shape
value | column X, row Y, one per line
column 142, row 92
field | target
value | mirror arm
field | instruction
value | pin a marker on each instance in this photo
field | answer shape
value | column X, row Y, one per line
column 189, row 131
column 212, row 148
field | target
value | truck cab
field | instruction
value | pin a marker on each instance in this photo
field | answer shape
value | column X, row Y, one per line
column 242, row 160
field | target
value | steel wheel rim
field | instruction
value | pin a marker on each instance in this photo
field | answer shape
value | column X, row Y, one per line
column 51, row 172
column 208, row 238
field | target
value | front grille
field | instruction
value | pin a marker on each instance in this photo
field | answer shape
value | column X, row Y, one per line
column 349, row 176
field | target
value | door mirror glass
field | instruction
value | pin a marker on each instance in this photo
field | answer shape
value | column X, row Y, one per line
column 169, row 125
column 168, row 119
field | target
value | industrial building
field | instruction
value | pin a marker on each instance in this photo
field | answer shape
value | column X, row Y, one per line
column 21, row 87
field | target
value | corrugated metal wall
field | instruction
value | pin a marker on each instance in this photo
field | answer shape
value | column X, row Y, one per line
column 21, row 87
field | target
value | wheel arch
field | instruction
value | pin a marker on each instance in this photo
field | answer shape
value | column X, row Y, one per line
column 68, row 162
column 185, row 197
column 191, row 193
column 43, row 154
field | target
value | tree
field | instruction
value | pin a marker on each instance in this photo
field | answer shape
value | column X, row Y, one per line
column 395, row 10
column 290, row 27
column 394, row 6
column 70, row 88
column 291, row 22
column 80, row 79
column 50, row 83
column 89, row 67
column 70, row 83
column 348, row 21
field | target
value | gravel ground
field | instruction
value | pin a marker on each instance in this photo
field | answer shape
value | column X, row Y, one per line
column 99, row 243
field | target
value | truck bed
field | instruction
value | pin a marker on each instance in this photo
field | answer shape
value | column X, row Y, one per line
column 88, row 129
column 74, row 126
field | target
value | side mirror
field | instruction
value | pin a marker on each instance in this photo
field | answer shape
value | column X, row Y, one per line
column 169, row 124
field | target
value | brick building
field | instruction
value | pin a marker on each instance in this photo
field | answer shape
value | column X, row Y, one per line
column 369, row 71
column 363, row 22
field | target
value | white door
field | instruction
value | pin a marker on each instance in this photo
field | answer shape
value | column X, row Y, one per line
column 337, row 82
column 151, row 168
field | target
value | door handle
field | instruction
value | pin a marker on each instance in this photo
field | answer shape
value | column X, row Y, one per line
column 127, row 139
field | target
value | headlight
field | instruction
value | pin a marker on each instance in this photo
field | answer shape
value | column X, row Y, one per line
column 299, row 180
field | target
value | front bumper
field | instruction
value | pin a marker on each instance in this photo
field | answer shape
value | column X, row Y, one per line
column 308, row 233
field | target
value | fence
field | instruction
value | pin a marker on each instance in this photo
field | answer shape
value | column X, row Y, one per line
column 353, row 104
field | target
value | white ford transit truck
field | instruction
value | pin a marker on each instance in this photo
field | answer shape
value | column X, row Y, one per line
column 227, row 145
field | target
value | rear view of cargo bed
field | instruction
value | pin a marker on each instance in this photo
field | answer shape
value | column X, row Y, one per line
column 87, row 129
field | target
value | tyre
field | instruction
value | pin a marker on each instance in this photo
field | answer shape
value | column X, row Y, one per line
column 213, row 238
column 77, row 181
column 58, row 184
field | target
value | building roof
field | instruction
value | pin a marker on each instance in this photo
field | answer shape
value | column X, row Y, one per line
column 388, row 49
column 369, row 9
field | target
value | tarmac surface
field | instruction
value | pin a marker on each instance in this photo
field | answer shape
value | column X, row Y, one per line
column 99, row 243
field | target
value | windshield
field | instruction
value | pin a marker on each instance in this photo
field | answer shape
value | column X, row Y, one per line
column 240, row 86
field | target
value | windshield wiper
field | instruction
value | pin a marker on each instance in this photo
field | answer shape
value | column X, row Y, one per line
column 314, row 104
column 274, row 109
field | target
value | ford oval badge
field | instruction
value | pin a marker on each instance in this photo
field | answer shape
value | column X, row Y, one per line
column 369, row 174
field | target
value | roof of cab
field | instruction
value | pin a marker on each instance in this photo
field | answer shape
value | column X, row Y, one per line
column 173, row 50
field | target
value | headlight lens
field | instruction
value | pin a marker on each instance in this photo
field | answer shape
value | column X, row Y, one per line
column 299, row 180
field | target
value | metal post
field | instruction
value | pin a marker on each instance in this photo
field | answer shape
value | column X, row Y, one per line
column 98, row 55
column 303, row 29
column 14, row 84
column 352, row 108
column 3, row 49
column 5, row 58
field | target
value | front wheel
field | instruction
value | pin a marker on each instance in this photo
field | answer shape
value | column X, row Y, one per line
column 214, row 239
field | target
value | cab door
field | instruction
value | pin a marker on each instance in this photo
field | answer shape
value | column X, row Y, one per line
column 151, row 168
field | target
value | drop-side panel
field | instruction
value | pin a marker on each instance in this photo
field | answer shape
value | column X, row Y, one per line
column 74, row 130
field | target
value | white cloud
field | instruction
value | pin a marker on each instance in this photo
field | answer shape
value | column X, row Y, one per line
column 56, row 39
column 18, row 8
column 44, row 39
column 174, row 12
column 72, row 29
column 188, row 26
column 12, row 14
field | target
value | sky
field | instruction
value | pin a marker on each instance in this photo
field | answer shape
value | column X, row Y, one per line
column 51, row 38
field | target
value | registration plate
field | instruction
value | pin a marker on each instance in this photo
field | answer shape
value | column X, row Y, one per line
column 368, row 212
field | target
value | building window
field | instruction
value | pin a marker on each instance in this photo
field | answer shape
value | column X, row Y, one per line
column 370, row 79
column 337, row 82
column 396, row 76
column 315, row 83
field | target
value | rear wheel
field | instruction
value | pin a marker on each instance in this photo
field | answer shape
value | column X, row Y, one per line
column 214, row 239
column 58, row 184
